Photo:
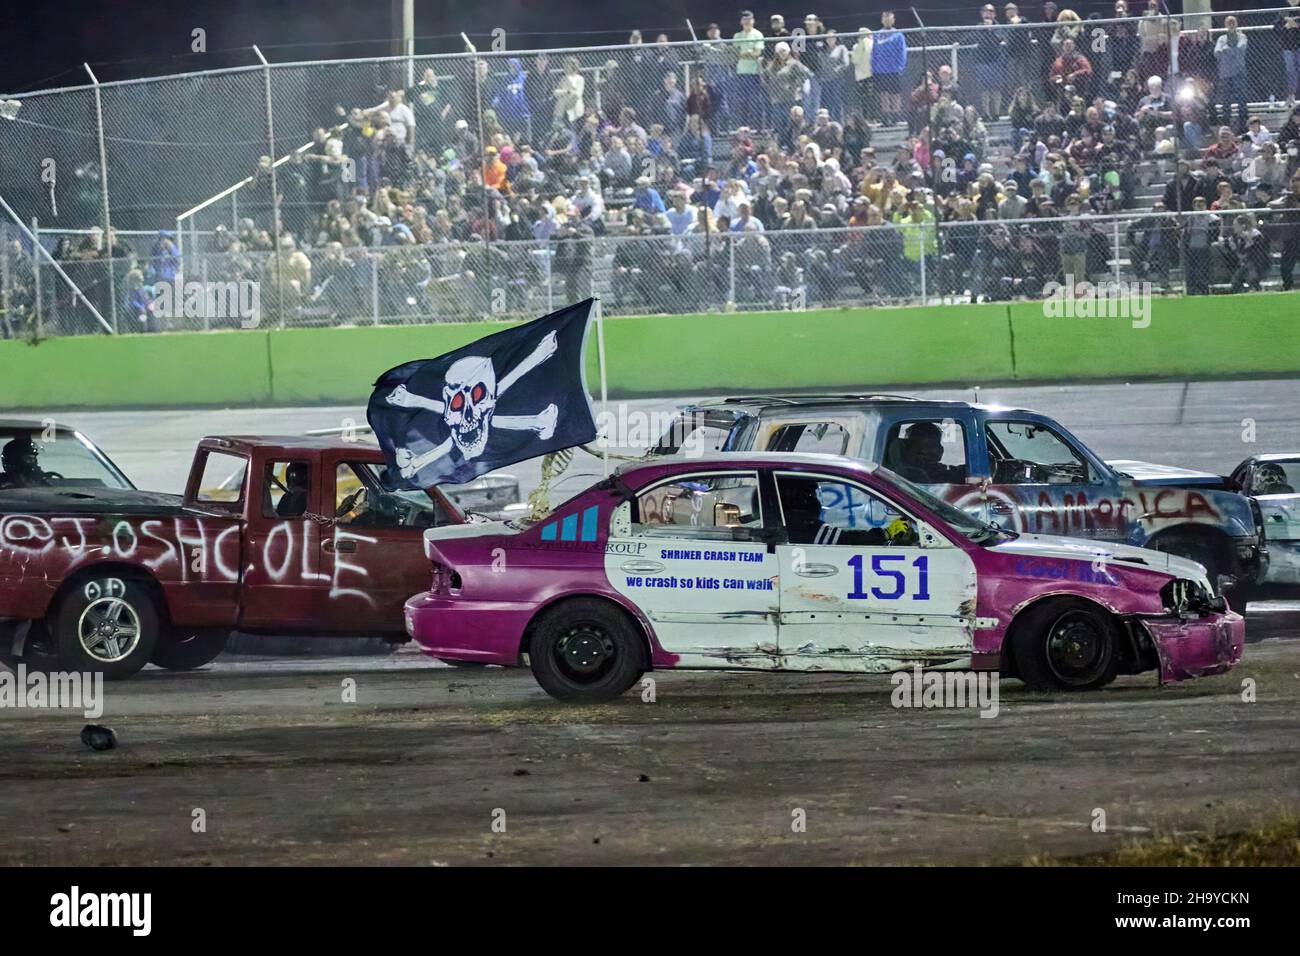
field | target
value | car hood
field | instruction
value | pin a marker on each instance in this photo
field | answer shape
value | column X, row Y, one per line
column 1147, row 473
column 1052, row 546
column 88, row 499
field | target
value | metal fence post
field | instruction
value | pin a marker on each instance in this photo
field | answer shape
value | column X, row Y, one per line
column 203, row 272
column 489, row 216
column 1115, row 225
column 731, row 269
column 374, row 288
column 6, row 299
column 103, row 191
column 275, row 188
column 36, row 274
column 1172, row 38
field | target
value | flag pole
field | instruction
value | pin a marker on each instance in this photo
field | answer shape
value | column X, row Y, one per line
column 604, row 385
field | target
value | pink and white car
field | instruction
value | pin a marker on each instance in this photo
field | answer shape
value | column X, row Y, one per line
column 804, row 563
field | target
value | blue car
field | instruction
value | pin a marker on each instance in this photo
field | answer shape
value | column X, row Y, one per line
column 1015, row 468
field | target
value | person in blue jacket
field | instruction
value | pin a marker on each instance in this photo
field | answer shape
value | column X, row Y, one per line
column 888, row 60
column 511, row 102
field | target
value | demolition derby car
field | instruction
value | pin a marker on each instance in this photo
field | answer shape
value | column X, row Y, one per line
column 1013, row 467
column 804, row 562
column 1271, row 482
column 293, row 535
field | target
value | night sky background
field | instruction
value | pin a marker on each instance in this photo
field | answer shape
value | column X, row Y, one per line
column 44, row 42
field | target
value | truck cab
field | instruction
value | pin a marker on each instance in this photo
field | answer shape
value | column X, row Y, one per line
column 326, row 547
column 278, row 535
column 1012, row 467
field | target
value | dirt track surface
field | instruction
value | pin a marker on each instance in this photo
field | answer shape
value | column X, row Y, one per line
column 711, row 772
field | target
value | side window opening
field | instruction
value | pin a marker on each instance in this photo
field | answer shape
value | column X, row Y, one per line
column 222, row 479
column 360, row 499
column 286, row 489
column 1025, row 453
column 929, row 451
column 827, row 438
column 716, row 507
column 817, row 510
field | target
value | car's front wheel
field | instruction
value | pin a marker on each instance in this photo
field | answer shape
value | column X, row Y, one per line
column 586, row 649
column 1065, row 644
column 107, row 624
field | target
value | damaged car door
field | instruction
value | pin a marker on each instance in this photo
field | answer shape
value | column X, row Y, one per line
column 690, row 553
column 866, row 586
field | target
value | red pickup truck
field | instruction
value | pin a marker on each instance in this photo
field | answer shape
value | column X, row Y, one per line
column 292, row 535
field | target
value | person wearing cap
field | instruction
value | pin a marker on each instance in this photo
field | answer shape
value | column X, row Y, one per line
column 748, row 48
column 837, row 76
column 990, row 60
column 1013, row 204
column 1019, row 53
column 716, row 57
column 646, row 198
column 860, row 56
column 786, row 77
column 1230, row 54
column 1200, row 231
column 813, row 56
column 888, row 61
column 776, row 32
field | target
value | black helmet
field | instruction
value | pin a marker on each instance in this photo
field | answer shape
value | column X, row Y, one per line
column 20, row 455
column 298, row 474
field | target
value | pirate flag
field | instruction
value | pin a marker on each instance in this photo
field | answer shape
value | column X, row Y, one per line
column 505, row 398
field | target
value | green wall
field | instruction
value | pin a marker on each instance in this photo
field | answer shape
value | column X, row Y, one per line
column 1212, row 336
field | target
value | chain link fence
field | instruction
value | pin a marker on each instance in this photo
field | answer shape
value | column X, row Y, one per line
column 872, row 168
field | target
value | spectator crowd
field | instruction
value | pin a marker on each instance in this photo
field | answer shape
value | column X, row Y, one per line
column 764, row 165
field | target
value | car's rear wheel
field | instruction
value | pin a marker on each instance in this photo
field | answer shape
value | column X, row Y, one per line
column 1065, row 644
column 586, row 649
column 107, row 624
column 184, row 650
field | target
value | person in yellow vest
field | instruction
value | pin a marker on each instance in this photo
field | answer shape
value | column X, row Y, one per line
column 920, row 236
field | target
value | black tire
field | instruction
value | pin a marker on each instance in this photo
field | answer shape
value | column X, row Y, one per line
column 1197, row 549
column 108, row 624
column 586, row 650
column 184, row 650
column 1065, row 644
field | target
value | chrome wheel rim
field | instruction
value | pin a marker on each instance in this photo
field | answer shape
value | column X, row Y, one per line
column 109, row 629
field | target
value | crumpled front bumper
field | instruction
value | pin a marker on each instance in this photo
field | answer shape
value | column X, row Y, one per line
column 1197, row 646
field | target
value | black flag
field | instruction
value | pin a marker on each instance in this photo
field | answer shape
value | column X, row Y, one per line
column 510, row 396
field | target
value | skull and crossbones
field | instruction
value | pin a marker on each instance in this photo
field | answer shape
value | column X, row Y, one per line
column 470, row 393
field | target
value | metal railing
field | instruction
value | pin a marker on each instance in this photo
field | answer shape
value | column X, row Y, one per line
column 909, row 262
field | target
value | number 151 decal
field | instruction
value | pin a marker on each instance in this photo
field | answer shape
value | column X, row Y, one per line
column 890, row 568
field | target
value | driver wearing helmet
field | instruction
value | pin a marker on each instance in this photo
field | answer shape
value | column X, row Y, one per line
column 21, row 466
column 297, row 480
column 921, row 456
column 1270, row 479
